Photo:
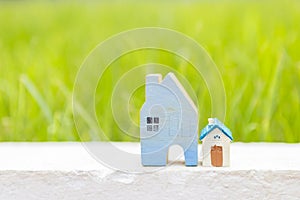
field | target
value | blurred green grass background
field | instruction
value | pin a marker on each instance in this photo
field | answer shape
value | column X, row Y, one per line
column 256, row 46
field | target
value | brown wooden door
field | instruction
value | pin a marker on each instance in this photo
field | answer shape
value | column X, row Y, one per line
column 216, row 154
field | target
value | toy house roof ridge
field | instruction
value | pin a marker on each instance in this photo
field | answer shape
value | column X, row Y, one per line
column 216, row 124
column 172, row 77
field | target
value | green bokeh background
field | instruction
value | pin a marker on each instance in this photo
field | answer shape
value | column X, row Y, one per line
column 256, row 46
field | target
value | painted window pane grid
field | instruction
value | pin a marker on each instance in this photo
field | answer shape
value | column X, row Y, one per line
column 150, row 121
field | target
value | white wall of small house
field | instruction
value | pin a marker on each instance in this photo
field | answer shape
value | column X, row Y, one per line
column 210, row 141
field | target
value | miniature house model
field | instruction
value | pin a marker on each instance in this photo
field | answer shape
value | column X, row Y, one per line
column 168, row 117
column 216, row 138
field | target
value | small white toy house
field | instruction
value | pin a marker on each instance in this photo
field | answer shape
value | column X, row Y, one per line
column 168, row 117
column 216, row 138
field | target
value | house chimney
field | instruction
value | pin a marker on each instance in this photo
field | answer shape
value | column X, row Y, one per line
column 151, row 82
column 211, row 121
column 153, row 78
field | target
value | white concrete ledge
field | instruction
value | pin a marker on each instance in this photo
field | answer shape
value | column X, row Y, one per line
column 68, row 171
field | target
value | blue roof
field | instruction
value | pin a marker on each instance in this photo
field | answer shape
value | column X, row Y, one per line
column 211, row 127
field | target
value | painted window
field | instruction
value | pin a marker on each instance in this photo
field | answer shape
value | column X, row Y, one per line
column 149, row 127
column 149, row 120
column 217, row 137
column 152, row 124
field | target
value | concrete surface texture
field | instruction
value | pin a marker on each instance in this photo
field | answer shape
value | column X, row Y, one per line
column 68, row 171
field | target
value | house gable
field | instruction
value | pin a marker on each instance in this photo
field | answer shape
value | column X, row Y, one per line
column 216, row 124
column 172, row 83
column 216, row 135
